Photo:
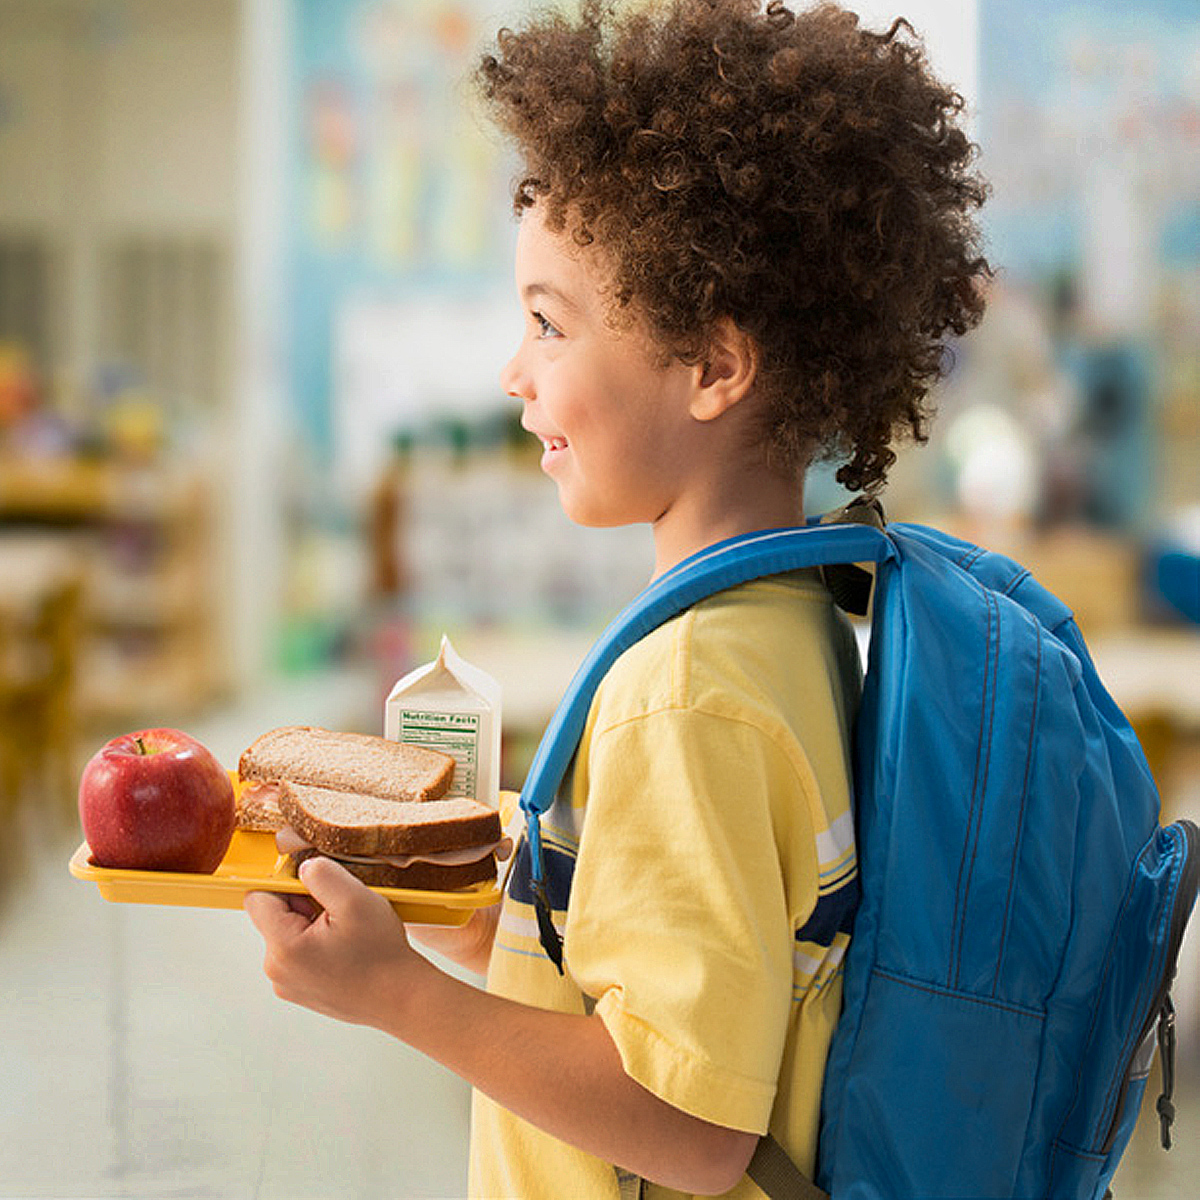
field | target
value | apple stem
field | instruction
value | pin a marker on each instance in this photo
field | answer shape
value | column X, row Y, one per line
column 141, row 746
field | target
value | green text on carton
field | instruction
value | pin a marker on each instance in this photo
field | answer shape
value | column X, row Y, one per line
column 451, row 706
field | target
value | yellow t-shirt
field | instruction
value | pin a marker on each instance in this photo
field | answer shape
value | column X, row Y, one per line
column 700, row 861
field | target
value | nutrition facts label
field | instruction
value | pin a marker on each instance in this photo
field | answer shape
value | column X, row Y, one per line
column 456, row 734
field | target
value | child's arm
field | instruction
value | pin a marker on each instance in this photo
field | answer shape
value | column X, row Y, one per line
column 557, row 1071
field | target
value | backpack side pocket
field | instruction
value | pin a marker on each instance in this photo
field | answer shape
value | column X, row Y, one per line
column 1133, row 1007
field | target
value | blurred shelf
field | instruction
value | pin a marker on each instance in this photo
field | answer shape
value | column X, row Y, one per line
column 141, row 534
column 154, row 598
column 532, row 665
column 131, row 689
column 53, row 489
column 75, row 490
column 1152, row 672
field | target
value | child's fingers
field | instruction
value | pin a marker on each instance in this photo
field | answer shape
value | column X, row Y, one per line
column 337, row 891
column 332, row 963
column 277, row 916
column 468, row 944
column 304, row 904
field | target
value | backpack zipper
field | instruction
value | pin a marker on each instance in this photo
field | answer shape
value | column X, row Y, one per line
column 1162, row 1012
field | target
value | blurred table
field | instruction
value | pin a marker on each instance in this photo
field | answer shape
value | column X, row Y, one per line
column 1152, row 671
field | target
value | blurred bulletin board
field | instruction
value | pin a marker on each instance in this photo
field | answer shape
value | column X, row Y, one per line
column 1090, row 129
column 399, row 191
column 1090, row 124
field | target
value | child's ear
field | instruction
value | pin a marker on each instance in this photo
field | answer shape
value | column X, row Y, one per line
column 727, row 373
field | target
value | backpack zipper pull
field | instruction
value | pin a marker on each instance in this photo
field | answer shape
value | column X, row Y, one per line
column 1166, row 1043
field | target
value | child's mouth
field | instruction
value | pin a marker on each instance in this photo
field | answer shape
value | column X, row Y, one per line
column 552, row 447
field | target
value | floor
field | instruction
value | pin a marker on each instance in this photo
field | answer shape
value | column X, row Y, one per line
column 143, row 1054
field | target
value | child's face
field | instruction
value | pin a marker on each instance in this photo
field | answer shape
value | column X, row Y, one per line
column 613, row 420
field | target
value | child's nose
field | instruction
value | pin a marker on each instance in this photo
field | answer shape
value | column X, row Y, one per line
column 514, row 380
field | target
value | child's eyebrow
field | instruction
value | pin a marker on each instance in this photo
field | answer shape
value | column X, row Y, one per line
column 532, row 290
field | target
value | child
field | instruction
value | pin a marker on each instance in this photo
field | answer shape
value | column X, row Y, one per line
column 744, row 239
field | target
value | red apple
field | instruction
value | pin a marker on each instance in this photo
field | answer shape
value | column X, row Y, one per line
column 156, row 800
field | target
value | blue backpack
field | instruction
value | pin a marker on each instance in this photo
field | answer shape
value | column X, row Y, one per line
column 1022, row 908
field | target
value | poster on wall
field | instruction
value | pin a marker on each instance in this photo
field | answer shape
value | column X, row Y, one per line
column 397, row 170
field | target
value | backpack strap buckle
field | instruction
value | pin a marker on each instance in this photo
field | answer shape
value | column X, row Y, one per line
column 850, row 584
column 548, row 936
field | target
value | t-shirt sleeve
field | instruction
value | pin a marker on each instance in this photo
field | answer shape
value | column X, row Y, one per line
column 679, row 917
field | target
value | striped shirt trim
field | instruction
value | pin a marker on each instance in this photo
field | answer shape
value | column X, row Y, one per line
column 837, row 842
column 815, row 966
column 808, row 965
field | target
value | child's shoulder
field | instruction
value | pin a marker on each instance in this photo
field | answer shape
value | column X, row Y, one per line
column 743, row 646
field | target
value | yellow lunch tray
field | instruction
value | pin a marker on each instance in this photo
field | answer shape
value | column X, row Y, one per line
column 253, row 864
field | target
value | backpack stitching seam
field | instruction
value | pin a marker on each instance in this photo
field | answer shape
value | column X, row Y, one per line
column 979, row 785
column 971, row 557
column 935, row 989
column 1008, row 900
column 1016, row 582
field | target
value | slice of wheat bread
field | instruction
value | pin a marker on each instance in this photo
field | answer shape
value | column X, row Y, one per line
column 355, row 762
column 421, row 876
column 340, row 822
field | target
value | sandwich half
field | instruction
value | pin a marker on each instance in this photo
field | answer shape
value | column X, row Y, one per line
column 366, row 802
column 433, row 844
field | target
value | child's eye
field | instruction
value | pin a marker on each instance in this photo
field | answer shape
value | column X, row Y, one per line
column 545, row 329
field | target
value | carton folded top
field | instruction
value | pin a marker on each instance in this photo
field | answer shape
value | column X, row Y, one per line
column 449, row 677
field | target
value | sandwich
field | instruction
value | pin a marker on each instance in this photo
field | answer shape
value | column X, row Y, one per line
column 379, row 807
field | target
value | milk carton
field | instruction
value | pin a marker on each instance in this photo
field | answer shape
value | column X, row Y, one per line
column 451, row 706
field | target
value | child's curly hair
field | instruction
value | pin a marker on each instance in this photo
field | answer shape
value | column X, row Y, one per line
column 798, row 174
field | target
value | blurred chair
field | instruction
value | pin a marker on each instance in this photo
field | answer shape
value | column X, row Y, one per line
column 40, row 597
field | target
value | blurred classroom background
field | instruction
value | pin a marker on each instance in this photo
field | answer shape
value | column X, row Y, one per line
column 255, row 293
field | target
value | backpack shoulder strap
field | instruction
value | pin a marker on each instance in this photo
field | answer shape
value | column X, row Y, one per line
column 777, row 1176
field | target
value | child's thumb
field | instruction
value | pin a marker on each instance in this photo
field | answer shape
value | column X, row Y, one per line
column 331, row 885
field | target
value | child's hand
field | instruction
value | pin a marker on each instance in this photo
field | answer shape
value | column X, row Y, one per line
column 347, row 959
column 469, row 944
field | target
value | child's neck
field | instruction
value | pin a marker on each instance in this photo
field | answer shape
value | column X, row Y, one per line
column 766, row 502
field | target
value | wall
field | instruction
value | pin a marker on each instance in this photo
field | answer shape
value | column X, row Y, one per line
column 115, row 119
